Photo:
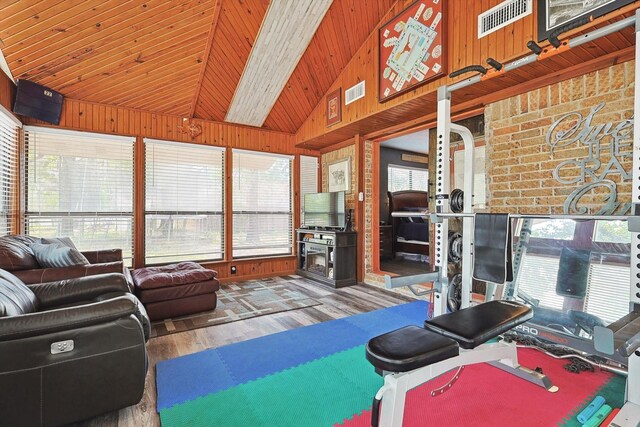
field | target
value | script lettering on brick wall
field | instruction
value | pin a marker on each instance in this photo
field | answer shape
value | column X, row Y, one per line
column 609, row 147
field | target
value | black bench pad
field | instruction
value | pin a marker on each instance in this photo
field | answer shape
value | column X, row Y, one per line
column 409, row 348
column 475, row 325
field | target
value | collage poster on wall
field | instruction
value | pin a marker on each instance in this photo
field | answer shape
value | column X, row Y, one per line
column 555, row 13
column 411, row 49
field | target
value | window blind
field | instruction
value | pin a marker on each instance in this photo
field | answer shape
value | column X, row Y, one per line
column 80, row 185
column 402, row 178
column 608, row 291
column 262, row 204
column 308, row 179
column 9, row 128
column 184, row 199
column 538, row 277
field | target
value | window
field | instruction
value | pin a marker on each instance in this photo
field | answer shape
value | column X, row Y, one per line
column 608, row 291
column 401, row 178
column 184, row 199
column 607, row 284
column 479, row 175
column 538, row 277
column 308, row 179
column 80, row 185
column 9, row 127
column 611, row 232
column 262, row 204
column 557, row 229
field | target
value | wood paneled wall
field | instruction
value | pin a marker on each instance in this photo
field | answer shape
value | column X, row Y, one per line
column 7, row 91
column 92, row 117
column 463, row 48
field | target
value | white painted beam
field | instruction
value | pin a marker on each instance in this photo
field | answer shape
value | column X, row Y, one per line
column 285, row 33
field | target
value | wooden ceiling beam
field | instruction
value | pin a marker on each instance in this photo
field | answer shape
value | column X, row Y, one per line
column 205, row 57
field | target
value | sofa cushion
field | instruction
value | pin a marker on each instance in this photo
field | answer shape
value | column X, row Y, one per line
column 62, row 240
column 57, row 255
column 171, row 275
column 42, row 275
column 15, row 297
column 15, row 253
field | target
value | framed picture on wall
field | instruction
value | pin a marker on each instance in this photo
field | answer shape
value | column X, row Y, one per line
column 411, row 51
column 554, row 13
column 334, row 107
column 339, row 175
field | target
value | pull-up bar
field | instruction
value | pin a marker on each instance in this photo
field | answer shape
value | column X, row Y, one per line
column 435, row 216
column 558, row 47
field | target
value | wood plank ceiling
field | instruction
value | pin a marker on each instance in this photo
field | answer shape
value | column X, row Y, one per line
column 182, row 57
column 284, row 35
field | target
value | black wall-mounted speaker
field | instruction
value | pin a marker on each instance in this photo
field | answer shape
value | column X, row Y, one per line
column 38, row 102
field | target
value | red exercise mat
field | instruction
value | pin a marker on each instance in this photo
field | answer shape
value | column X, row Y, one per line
column 487, row 396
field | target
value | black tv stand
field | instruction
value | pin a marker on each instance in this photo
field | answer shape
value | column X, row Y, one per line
column 328, row 256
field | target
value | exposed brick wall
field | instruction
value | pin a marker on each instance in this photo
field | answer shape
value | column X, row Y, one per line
column 369, row 276
column 520, row 132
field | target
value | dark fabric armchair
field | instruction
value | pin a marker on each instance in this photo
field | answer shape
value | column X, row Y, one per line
column 69, row 350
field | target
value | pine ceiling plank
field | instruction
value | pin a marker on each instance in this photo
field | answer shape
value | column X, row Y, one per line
column 285, row 33
column 39, row 52
column 139, row 55
column 124, row 91
column 52, row 20
column 237, row 29
column 14, row 13
column 32, row 52
column 133, row 23
column 136, row 79
column 346, row 26
column 205, row 56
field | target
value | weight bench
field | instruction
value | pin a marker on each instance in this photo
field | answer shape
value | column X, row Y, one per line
column 623, row 337
column 410, row 356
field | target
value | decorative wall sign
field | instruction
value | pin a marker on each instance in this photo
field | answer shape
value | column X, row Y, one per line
column 334, row 107
column 339, row 175
column 609, row 147
column 554, row 13
column 411, row 48
column 192, row 128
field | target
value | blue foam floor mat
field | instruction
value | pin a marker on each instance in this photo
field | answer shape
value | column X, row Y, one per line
column 188, row 377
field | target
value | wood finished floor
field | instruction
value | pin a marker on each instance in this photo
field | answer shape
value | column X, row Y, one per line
column 336, row 303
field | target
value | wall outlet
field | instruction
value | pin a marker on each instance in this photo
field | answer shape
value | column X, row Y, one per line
column 233, row 269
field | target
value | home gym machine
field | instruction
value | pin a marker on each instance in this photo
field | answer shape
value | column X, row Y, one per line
column 413, row 355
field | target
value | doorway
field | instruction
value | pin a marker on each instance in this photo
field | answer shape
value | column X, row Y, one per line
column 404, row 186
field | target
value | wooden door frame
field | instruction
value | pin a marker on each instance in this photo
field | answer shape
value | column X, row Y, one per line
column 396, row 131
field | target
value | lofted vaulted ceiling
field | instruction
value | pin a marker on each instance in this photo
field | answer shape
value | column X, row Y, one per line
column 183, row 57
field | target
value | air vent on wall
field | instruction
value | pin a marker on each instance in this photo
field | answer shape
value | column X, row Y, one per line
column 354, row 93
column 502, row 15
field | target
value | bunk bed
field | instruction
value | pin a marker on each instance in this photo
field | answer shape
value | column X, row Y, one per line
column 410, row 234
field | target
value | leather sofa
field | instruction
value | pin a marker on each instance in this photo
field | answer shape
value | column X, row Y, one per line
column 17, row 257
column 70, row 349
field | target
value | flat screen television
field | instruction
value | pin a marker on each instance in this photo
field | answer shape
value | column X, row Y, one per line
column 324, row 210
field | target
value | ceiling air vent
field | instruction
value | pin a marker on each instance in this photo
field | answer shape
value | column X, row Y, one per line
column 354, row 93
column 502, row 15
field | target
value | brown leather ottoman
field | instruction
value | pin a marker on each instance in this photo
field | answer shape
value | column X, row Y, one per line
column 176, row 290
